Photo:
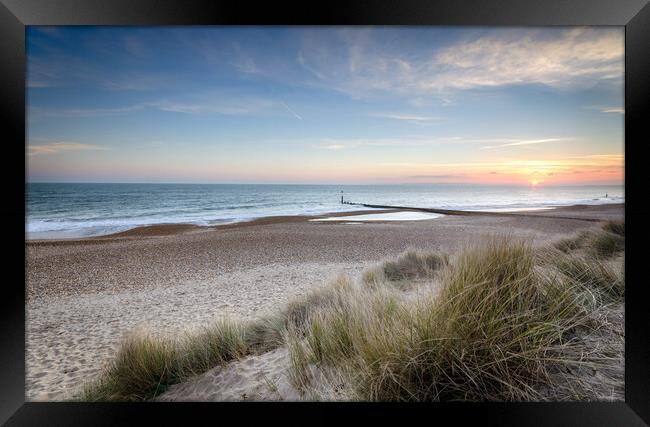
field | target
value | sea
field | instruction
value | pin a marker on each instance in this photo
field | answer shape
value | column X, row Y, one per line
column 73, row 210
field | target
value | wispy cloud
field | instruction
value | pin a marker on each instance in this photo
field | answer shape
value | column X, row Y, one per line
column 579, row 57
column 225, row 105
column 340, row 143
column 607, row 109
column 216, row 103
column 439, row 176
column 602, row 157
column 419, row 141
column 220, row 105
column 529, row 142
column 58, row 68
column 134, row 82
column 613, row 110
column 56, row 147
column 332, row 147
column 407, row 117
column 39, row 83
column 243, row 61
column 81, row 112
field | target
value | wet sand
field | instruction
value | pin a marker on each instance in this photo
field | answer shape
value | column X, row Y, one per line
column 83, row 296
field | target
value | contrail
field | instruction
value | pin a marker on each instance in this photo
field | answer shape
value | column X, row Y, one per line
column 296, row 115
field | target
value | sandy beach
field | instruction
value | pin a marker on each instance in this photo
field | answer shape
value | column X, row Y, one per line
column 83, row 296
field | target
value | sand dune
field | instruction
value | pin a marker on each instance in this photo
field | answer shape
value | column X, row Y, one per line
column 262, row 377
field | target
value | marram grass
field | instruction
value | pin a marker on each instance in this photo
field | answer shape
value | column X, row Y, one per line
column 502, row 321
column 603, row 243
column 489, row 335
column 145, row 366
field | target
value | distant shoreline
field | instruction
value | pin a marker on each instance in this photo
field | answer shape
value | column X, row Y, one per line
column 166, row 229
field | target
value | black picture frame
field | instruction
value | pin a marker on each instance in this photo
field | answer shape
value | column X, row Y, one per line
column 15, row 15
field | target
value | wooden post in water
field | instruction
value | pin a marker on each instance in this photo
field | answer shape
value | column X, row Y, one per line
column 341, row 196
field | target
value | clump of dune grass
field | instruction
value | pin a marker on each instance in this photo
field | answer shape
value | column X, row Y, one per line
column 146, row 365
column 604, row 244
column 498, row 330
column 212, row 346
column 595, row 274
column 569, row 244
column 265, row 334
column 143, row 368
column 296, row 313
column 406, row 269
column 615, row 226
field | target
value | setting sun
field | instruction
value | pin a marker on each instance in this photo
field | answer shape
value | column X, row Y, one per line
column 534, row 182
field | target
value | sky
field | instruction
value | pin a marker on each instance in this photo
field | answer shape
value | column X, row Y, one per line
column 326, row 105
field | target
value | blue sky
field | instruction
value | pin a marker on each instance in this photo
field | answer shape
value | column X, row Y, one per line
column 325, row 105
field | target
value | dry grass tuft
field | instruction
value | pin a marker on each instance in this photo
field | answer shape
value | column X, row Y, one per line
column 604, row 244
column 407, row 269
column 597, row 275
column 616, row 227
column 145, row 365
column 570, row 244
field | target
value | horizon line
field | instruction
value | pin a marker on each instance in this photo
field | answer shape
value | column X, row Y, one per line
column 321, row 184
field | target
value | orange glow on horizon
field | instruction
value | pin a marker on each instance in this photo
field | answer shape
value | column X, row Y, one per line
column 346, row 169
